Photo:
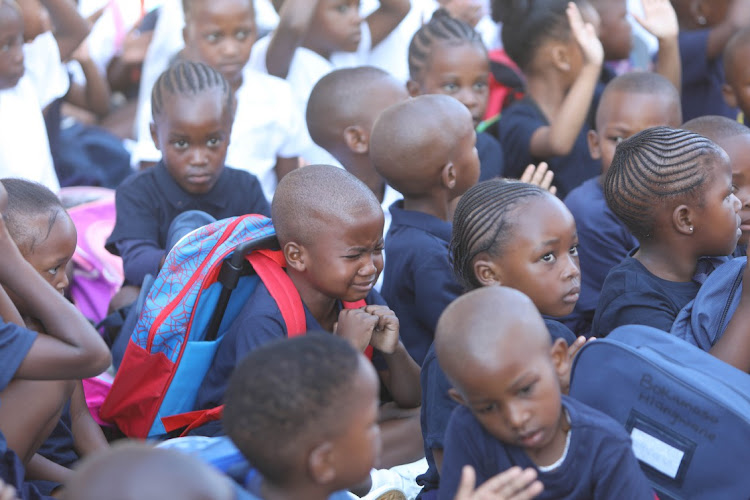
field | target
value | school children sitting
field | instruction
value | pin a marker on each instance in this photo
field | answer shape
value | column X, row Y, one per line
column 193, row 107
column 330, row 229
column 446, row 56
column 268, row 133
column 314, row 38
column 561, row 58
column 734, row 138
column 31, row 77
column 425, row 149
column 46, row 237
column 630, row 103
column 512, row 411
column 38, row 371
column 673, row 190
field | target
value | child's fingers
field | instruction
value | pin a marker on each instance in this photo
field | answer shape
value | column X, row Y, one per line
column 513, row 484
column 466, row 486
column 576, row 346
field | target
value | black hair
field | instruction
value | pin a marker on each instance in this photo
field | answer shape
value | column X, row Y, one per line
column 716, row 127
column 26, row 200
column 283, row 393
column 187, row 78
column 527, row 24
column 482, row 223
column 653, row 166
column 642, row 82
column 187, row 5
column 442, row 28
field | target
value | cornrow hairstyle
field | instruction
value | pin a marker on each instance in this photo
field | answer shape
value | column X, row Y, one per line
column 284, row 392
column 653, row 166
column 187, row 78
column 527, row 24
column 442, row 28
column 482, row 223
column 26, row 201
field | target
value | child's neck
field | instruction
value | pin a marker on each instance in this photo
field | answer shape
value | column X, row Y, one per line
column 359, row 166
column 555, row 450
column 439, row 206
column 322, row 307
column 270, row 491
column 669, row 262
column 548, row 92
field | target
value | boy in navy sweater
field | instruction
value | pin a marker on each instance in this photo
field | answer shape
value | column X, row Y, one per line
column 494, row 347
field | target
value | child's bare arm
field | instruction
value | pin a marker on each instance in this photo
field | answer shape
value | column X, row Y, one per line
column 738, row 17
column 43, row 468
column 294, row 21
column 558, row 138
column 70, row 28
column 72, row 348
column 402, row 376
column 659, row 19
column 88, row 437
column 95, row 94
column 385, row 19
column 734, row 346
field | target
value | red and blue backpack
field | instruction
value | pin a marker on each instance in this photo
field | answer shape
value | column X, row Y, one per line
column 205, row 281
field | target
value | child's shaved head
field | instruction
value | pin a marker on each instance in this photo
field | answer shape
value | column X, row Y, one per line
column 350, row 97
column 473, row 329
column 643, row 82
column 136, row 471
column 716, row 127
column 190, row 6
column 412, row 141
column 309, row 199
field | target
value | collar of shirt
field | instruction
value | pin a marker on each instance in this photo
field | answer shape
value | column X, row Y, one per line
column 178, row 198
column 426, row 222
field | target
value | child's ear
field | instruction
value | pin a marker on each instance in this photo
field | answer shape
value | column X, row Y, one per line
column 357, row 139
column 294, row 254
column 487, row 272
column 594, row 146
column 700, row 9
column 456, row 396
column 729, row 96
column 154, row 135
column 561, row 56
column 413, row 88
column 560, row 358
column 448, row 176
column 682, row 220
column 320, row 463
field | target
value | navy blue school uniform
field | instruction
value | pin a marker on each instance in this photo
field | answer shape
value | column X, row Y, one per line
column 258, row 322
column 148, row 202
column 15, row 343
column 518, row 123
column 491, row 158
column 437, row 406
column 604, row 242
column 418, row 279
column 598, row 464
column 632, row 295
column 702, row 78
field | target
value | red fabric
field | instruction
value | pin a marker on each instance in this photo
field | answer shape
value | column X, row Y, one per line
column 132, row 403
column 499, row 93
column 192, row 419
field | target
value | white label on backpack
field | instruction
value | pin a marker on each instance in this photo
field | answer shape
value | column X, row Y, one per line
column 656, row 453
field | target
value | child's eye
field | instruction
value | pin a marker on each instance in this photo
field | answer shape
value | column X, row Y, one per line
column 353, row 257
column 54, row 270
column 548, row 257
column 212, row 38
column 617, row 139
column 527, row 390
column 574, row 250
column 487, row 408
column 342, row 9
column 242, row 35
column 480, row 86
column 180, row 144
column 213, row 142
column 450, row 87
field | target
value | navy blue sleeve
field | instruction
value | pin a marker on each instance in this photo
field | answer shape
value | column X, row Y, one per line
column 15, row 343
column 437, row 405
column 694, row 56
column 559, row 331
column 465, row 444
column 491, row 158
column 139, row 258
column 517, row 124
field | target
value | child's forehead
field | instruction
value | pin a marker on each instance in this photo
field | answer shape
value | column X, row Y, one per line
column 637, row 106
column 202, row 8
column 10, row 16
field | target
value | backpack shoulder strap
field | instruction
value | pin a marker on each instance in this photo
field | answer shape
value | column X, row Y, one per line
column 269, row 265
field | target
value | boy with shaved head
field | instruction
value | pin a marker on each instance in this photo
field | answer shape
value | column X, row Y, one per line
column 426, row 149
column 494, row 348
column 330, row 229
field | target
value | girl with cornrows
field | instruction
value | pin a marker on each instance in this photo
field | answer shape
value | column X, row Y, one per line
column 673, row 190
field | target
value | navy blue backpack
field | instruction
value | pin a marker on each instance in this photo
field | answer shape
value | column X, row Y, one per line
column 687, row 412
column 705, row 318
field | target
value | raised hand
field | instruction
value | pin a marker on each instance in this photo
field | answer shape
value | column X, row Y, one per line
column 585, row 35
column 659, row 19
column 541, row 176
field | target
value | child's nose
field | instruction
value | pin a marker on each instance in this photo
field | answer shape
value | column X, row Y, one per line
column 369, row 267
column 229, row 48
column 572, row 269
column 199, row 157
column 468, row 98
column 516, row 415
column 737, row 203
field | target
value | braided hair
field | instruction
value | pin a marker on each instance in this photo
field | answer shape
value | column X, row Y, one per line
column 187, row 78
column 482, row 223
column 655, row 165
column 442, row 28
column 527, row 24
